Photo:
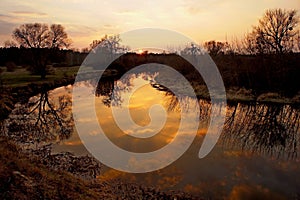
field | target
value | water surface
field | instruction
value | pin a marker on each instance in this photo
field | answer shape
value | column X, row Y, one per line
column 256, row 156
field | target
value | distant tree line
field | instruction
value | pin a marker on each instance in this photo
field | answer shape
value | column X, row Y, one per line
column 265, row 57
column 55, row 57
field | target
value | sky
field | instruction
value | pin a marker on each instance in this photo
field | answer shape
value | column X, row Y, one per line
column 87, row 20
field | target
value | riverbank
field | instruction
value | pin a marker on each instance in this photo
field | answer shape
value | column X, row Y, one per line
column 27, row 176
column 243, row 95
column 24, row 177
column 24, row 180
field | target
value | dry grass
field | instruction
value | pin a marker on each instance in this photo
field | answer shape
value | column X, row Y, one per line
column 24, row 178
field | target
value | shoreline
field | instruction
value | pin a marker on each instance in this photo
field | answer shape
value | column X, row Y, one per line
column 11, row 96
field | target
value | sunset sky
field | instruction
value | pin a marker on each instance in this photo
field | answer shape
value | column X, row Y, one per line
column 86, row 20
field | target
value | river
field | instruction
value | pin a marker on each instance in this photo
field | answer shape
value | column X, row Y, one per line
column 256, row 156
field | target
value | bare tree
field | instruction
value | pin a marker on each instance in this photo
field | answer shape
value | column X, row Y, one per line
column 191, row 49
column 275, row 31
column 32, row 35
column 111, row 44
column 39, row 37
column 249, row 44
column 59, row 37
column 214, row 48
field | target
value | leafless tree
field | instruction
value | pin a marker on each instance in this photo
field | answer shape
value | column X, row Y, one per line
column 191, row 49
column 40, row 38
column 275, row 31
column 111, row 44
column 59, row 37
column 249, row 44
column 214, row 48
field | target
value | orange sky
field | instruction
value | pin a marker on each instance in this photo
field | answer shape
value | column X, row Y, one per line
column 86, row 20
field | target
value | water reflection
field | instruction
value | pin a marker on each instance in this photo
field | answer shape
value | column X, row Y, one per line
column 249, row 160
column 116, row 93
column 271, row 129
column 268, row 129
column 42, row 119
column 257, row 153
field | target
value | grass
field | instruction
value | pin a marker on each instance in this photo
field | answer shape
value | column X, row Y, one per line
column 24, row 178
column 21, row 77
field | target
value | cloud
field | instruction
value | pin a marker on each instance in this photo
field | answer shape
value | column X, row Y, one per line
column 6, row 27
column 9, row 19
column 127, row 12
column 29, row 13
column 194, row 7
column 77, row 30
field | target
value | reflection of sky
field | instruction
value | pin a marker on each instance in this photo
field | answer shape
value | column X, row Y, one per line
column 139, row 111
column 227, row 172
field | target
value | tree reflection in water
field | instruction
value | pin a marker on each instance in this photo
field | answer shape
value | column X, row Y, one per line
column 271, row 129
column 41, row 120
column 111, row 89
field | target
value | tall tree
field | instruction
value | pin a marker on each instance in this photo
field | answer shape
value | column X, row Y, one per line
column 275, row 31
column 40, row 39
column 59, row 38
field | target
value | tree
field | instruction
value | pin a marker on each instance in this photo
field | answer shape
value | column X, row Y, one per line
column 252, row 46
column 104, row 51
column 191, row 49
column 275, row 31
column 59, row 37
column 40, row 39
column 111, row 44
column 214, row 48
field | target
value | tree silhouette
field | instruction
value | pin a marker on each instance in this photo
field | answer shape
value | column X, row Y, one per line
column 191, row 49
column 111, row 44
column 40, row 39
column 275, row 31
column 214, row 48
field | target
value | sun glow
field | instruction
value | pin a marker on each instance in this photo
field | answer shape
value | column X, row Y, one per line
column 140, row 51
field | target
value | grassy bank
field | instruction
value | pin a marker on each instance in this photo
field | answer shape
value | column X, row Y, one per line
column 20, row 77
column 24, row 177
column 247, row 78
column 19, row 85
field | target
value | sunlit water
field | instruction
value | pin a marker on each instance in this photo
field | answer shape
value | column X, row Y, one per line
column 257, row 155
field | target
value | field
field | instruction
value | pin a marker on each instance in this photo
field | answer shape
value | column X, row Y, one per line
column 21, row 77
